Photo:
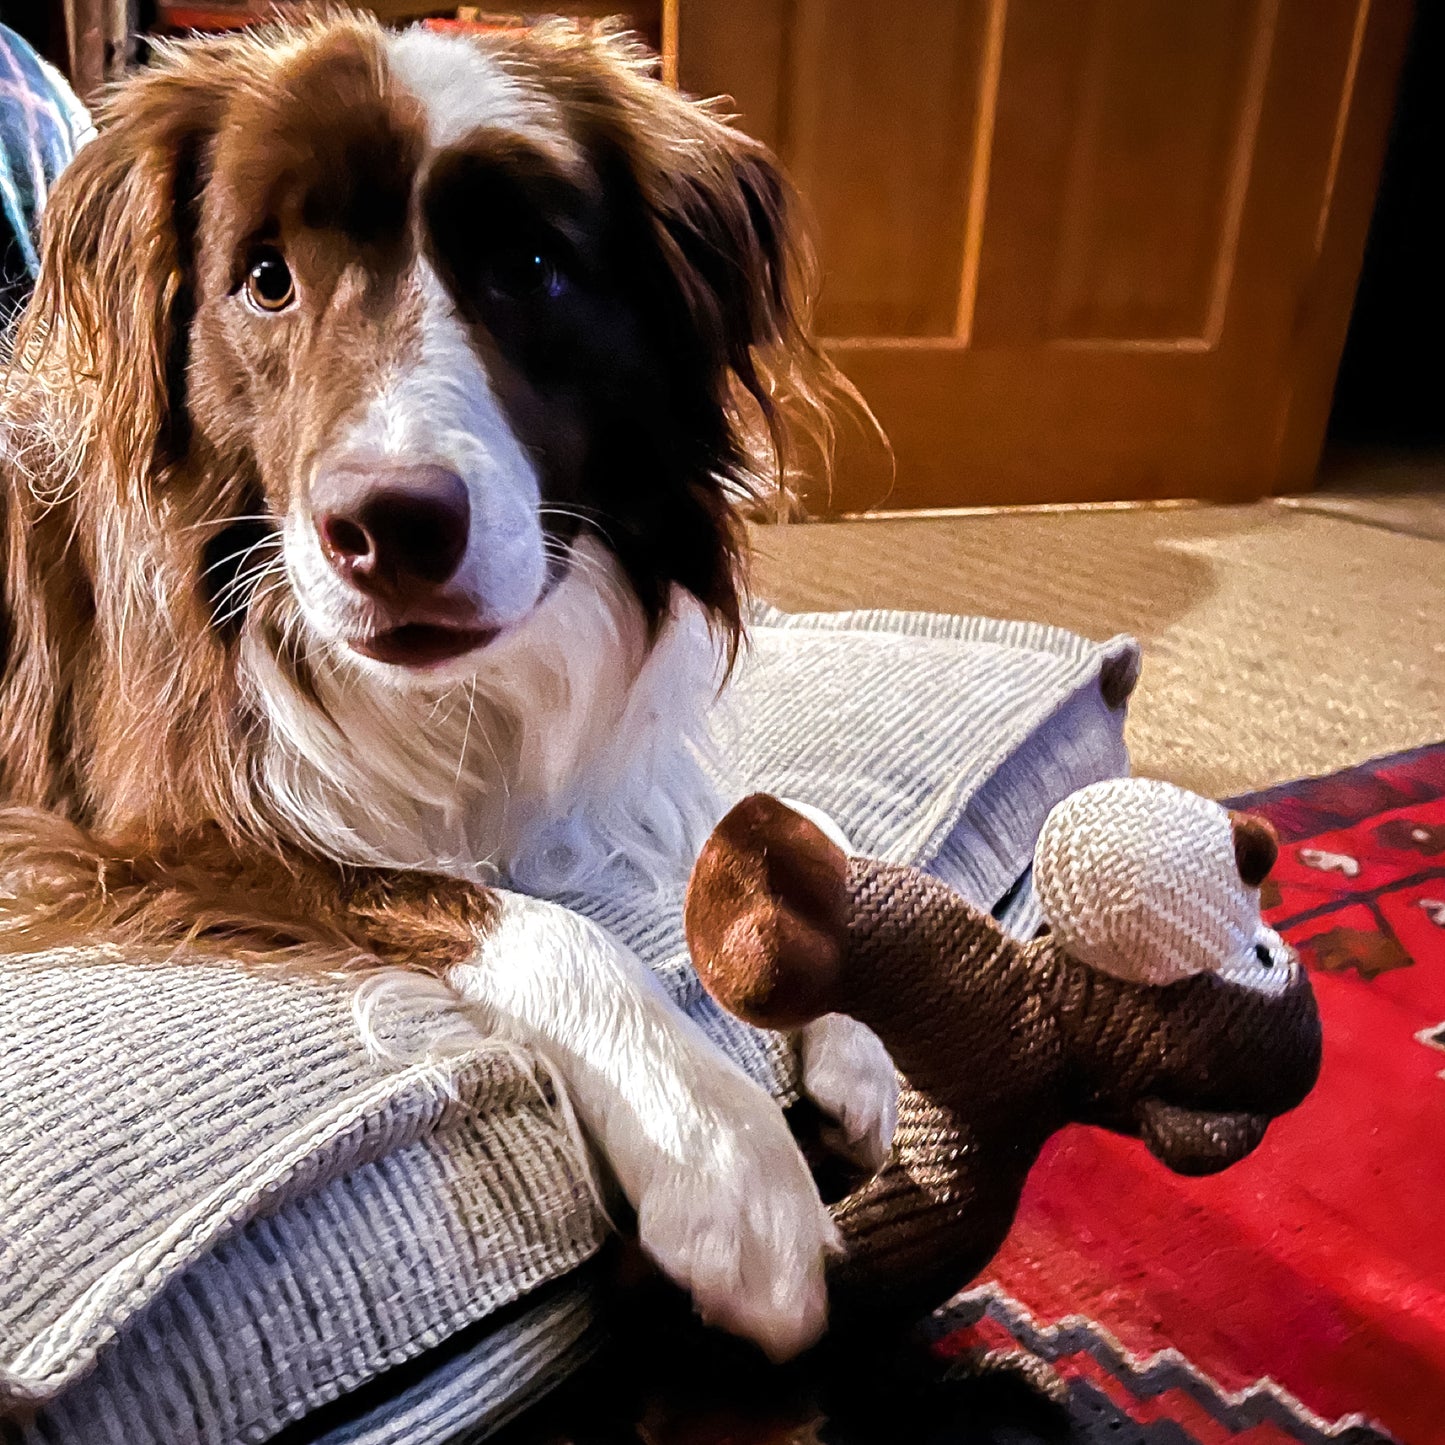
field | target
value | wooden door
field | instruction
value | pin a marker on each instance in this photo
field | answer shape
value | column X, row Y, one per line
column 1073, row 249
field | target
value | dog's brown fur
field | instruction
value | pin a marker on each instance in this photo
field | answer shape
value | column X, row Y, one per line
column 137, row 430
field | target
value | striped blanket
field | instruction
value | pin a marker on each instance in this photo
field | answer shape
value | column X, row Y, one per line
column 41, row 126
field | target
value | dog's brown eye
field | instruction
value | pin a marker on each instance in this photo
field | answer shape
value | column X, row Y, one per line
column 269, row 286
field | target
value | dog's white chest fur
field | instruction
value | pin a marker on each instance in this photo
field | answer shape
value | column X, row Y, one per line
column 572, row 745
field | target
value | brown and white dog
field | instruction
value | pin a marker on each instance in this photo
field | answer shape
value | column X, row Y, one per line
column 372, row 452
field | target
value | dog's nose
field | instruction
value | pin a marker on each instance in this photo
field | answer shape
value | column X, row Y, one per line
column 392, row 530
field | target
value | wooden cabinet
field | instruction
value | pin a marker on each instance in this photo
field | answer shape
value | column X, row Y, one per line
column 1074, row 249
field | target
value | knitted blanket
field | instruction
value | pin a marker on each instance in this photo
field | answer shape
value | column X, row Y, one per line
column 220, row 1214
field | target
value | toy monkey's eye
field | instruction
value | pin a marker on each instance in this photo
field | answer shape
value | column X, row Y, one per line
column 1266, row 964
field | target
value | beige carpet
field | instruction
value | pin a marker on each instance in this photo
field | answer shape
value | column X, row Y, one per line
column 1278, row 642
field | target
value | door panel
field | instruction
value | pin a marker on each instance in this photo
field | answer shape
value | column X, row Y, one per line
column 887, row 275
column 1071, row 246
column 1154, row 135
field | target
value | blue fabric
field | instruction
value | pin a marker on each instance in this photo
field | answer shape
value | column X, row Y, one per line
column 41, row 125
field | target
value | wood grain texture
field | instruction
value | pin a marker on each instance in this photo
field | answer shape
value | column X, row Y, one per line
column 887, row 275
column 1162, row 129
column 98, row 43
column 1074, row 249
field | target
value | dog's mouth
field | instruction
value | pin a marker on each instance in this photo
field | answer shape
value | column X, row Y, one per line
column 420, row 645
column 427, row 635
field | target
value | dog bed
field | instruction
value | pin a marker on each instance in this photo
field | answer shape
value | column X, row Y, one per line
column 220, row 1215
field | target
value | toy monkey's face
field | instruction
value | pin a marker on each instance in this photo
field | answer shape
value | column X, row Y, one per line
column 1188, row 1018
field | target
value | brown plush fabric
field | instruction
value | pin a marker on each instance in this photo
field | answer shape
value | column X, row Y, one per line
column 782, row 962
column 999, row 1044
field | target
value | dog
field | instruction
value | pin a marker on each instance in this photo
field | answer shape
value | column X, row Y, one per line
column 375, row 452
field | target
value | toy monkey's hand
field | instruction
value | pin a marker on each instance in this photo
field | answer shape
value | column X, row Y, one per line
column 767, row 915
column 767, row 924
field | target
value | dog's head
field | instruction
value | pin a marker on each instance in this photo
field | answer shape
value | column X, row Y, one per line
column 367, row 370
column 413, row 311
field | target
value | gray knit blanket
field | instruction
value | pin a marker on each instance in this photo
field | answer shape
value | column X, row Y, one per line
column 220, row 1214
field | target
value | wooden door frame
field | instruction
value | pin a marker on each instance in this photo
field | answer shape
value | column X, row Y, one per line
column 1361, row 141
column 98, row 38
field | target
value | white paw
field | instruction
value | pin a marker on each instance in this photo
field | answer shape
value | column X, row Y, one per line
column 743, row 1230
column 848, row 1074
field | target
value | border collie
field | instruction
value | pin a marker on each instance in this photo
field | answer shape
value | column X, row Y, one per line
column 372, row 464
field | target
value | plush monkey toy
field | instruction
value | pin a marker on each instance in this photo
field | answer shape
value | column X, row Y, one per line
column 1157, row 1004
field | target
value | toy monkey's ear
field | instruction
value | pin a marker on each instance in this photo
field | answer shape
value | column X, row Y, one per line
column 1256, row 847
column 1198, row 1141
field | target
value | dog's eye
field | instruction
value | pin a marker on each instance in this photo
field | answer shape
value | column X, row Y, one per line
column 269, row 286
column 524, row 272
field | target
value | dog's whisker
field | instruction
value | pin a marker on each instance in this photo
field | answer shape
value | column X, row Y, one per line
column 219, row 524
column 236, row 559
column 242, row 600
column 247, row 580
column 244, row 580
column 466, row 732
column 588, row 517
column 588, row 567
column 561, row 552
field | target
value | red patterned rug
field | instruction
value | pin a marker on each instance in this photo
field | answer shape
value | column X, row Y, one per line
column 1301, row 1295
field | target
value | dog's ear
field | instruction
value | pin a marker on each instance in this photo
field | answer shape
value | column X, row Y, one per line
column 732, row 236
column 112, row 299
column 723, row 235
column 731, row 233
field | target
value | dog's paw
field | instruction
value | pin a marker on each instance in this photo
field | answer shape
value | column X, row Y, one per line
column 744, row 1232
column 847, row 1072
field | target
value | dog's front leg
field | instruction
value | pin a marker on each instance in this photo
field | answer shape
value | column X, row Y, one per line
column 725, row 1203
